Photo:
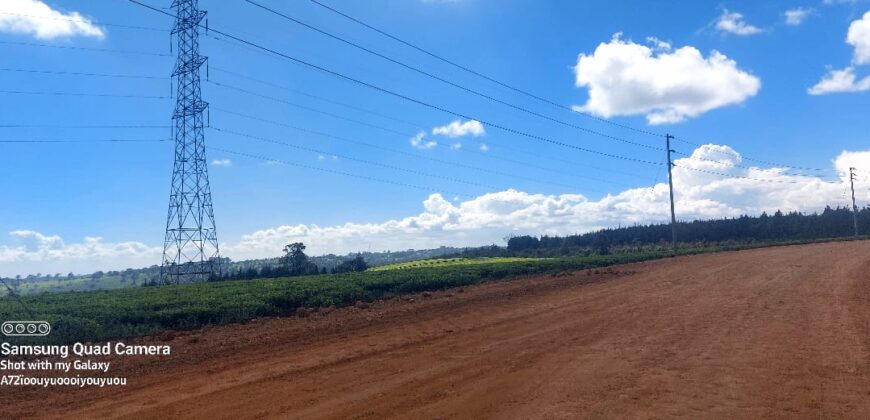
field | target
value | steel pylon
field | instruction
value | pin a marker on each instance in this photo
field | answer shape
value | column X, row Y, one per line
column 190, row 249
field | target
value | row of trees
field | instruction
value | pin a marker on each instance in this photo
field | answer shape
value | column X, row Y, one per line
column 831, row 223
column 294, row 262
column 246, row 269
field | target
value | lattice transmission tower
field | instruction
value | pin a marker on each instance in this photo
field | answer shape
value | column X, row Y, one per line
column 190, row 250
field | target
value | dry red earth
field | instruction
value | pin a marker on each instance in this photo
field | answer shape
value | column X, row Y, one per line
column 769, row 333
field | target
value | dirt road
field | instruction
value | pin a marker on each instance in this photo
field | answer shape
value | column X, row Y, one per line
column 777, row 332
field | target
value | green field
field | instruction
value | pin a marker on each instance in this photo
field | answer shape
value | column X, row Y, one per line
column 110, row 314
column 445, row 262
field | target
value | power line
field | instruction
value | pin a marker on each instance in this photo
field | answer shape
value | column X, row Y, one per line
column 776, row 181
column 413, row 100
column 764, row 162
column 436, row 56
column 114, row 25
column 736, row 165
column 414, row 155
column 320, row 98
column 487, row 155
column 101, row 95
column 81, row 126
column 489, row 78
column 399, row 133
column 524, row 92
column 87, row 141
column 333, row 171
column 307, row 108
column 408, row 135
column 70, row 47
column 74, row 73
column 456, row 85
column 20, row 302
column 355, row 159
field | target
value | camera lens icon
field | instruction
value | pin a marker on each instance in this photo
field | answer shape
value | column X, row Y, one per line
column 25, row 328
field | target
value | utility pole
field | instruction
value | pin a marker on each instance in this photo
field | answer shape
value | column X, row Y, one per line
column 854, row 206
column 668, row 138
column 190, row 250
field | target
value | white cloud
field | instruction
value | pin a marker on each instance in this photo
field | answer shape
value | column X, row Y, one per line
column 859, row 37
column 459, row 129
column 659, row 44
column 456, row 146
column 838, row 81
column 35, row 18
column 845, row 80
column 796, row 16
column 33, row 252
column 484, row 147
column 625, row 78
column 419, row 142
column 489, row 217
column 733, row 23
column 222, row 162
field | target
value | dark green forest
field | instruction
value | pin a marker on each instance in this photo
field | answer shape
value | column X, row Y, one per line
column 778, row 227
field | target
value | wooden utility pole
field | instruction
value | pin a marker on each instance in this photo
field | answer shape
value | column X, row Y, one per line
column 668, row 138
column 854, row 206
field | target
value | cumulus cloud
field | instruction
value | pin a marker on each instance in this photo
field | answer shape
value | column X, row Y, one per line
column 456, row 146
column 37, row 19
column 733, row 23
column 459, row 129
column 668, row 86
column 796, row 16
column 33, row 252
column 419, row 142
column 222, row 162
column 838, row 81
column 859, row 38
column 845, row 80
column 487, row 218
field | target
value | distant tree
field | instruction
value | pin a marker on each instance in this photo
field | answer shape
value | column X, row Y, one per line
column 521, row 243
column 356, row 264
column 14, row 283
column 295, row 262
column 602, row 244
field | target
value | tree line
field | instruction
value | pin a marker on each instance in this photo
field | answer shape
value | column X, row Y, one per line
column 830, row 223
column 294, row 262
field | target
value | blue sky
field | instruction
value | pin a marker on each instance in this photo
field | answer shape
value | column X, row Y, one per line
column 57, row 195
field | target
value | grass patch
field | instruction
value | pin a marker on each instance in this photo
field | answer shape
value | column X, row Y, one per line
column 445, row 262
column 111, row 314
